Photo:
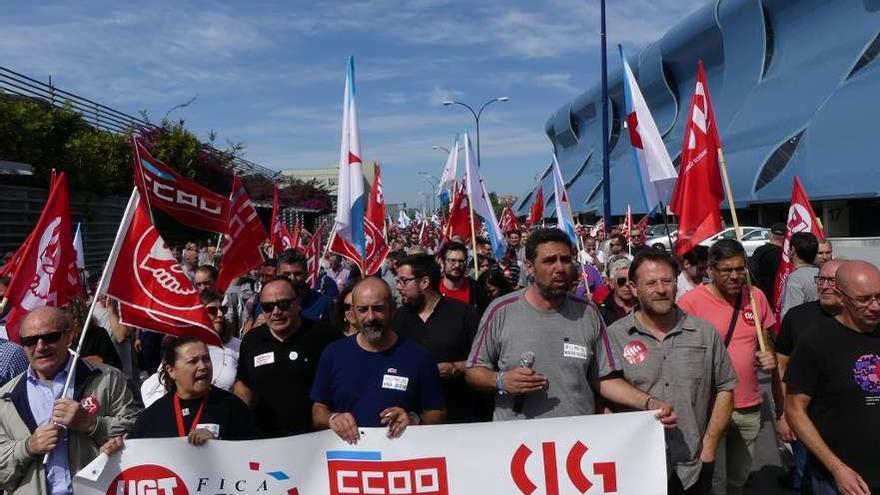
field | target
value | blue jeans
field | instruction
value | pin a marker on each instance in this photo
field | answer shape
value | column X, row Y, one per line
column 823, row 486
column 801, row 482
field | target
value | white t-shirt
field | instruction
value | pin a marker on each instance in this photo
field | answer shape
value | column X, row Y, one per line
column 224, row 361
column 684, row 286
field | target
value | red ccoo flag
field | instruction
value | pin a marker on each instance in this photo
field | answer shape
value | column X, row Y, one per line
column 800, row 219
column 313, row 253
column 142, row 274
column 281, row 238
column 244, row 234
column 374, row 226
column 189, row 203
column 536, row 214
column 459, row 223
column 45, row 273
column 508, row 221
column 640, row 227
column 698, row 192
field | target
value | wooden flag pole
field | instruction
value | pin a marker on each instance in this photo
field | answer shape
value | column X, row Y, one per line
column 729, row 191
column 474, row 239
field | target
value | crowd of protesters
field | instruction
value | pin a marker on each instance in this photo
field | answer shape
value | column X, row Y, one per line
column 448, row 333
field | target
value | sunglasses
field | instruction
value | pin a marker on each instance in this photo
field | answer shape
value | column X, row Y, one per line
column 47, row 338
column 282, row 304
column 621, row 281
column 213, row 310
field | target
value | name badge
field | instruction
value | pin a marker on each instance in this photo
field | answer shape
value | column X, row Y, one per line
column 574, row 351
column 393, row 382
column 265, row 358
column 214, row 428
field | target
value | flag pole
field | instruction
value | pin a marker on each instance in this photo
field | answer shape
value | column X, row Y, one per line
column 114, row 252
column 666, row 226
column 722, row 164
column 473, row 238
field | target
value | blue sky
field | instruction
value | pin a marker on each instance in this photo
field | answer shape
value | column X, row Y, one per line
column 271, row 74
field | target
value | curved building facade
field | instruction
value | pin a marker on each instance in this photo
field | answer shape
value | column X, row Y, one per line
column 796, row 89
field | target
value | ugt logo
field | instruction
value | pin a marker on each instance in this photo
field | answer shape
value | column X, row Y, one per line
column 147, row 479
column 605, row 471
column 360, row 472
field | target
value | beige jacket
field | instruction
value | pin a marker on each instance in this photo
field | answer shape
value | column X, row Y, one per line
column 22, row 473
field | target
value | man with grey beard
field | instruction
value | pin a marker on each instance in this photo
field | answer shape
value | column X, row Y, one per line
column 375, row 378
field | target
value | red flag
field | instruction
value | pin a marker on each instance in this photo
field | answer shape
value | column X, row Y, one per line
column 143, row 274
column 313, row 253
column 9, row 268
column 698, row 192
column 281, row 238
column 460, row 216
column 374, row 225
column 641, row 227
column 45, row 272
column 800, row 219
column 536, row 214
column 189, row 203
column 627, row 222
column 509, row 222
column 244, row 234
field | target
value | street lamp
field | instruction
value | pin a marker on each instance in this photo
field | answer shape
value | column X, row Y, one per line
column 441, row 148
column 434, row 182
column 476, row 115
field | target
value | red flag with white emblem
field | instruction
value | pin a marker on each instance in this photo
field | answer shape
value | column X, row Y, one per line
column 45, row 272
column 800, row 219
column 698, row 192
column 536, row 214
column 164, row 188
column 374, row 226
column 142, row 273
column 281, row 238
column 244, row 234
column 313, row 252
column 509, row 222
column 459, row 223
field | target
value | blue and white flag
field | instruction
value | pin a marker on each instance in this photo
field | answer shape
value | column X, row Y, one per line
column 655, row 170
column 78, row 247
column 564, row 218
column 479, row 199
column 349, row 239
column 447, row 179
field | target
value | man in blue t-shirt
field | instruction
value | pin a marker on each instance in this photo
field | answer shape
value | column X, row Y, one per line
column 375, row 378
column 315, row 306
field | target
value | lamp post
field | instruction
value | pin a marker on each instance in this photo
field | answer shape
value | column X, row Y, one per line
column 434, row 182
column 440, row 148
column 476, row 115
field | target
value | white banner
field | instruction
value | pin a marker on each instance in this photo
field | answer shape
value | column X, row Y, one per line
column 618, row 453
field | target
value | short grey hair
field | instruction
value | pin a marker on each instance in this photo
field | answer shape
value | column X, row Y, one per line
column 621, row 263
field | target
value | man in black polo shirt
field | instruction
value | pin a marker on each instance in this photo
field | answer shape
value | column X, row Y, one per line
column 834, row 388
column 444, row 326
column 277, row 363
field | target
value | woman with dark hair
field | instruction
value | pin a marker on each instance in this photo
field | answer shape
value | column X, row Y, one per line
column 224, row 359
column 345, row 320
column 192, row 407
column 494, row 285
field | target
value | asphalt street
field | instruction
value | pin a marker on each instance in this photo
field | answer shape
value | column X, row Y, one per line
column 768, row 462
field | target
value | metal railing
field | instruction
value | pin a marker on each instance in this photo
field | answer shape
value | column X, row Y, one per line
column 102, row 117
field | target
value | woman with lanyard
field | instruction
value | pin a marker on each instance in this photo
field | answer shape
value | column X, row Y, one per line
column 223, row 359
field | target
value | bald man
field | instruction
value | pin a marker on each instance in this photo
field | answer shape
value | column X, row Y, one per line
column 375, row 378
column 834, row 388
column 35, row 420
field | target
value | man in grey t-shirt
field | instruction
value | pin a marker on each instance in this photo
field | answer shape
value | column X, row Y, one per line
column 572, row 353
column 801, row 284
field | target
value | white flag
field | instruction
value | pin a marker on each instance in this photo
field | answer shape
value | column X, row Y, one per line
column 479, row 198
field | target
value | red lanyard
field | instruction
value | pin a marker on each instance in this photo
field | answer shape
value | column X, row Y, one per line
column 179, row 414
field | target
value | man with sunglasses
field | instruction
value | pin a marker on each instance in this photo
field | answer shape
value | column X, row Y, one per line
column 35, row 420
column 622, row 299
column 726, row 304
column 277, row 362
column 833, row 383
column 800, row 320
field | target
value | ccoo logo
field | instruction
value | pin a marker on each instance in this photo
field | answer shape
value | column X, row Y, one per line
column 147, row 479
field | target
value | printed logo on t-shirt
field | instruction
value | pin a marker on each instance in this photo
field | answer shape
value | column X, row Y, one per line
column 576, row 351
column 264, row 358
column 635, row 352
column 748, row 316
column 866, row 372
column 184, row 411
column 393, row 382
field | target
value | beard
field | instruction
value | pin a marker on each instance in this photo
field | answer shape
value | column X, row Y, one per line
column 372, row 331
column 550, row 292
column 414, row 302
column 658, row 307
column 454, row 274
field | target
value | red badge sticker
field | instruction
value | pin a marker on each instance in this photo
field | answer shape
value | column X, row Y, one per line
column 635, row 352
column 749, row 316
column 90, row 404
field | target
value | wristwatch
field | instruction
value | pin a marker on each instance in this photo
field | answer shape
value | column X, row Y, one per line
column 499, row 383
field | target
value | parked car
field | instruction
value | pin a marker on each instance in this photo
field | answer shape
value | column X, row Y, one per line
column 652, row 231
column 752, row 237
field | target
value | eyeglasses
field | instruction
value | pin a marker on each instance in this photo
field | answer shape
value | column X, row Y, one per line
column 281, row 304
column 726, row 272
column 213, row 310
column 861, row 301
column 47, row 338
column 820, row 281
column 453, row 261
column 404, row 281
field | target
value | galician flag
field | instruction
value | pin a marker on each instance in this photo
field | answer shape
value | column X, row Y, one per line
column 447, row 179
column 655, row 170
column 479, row 199
column 348, row 234
column 564, row 218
